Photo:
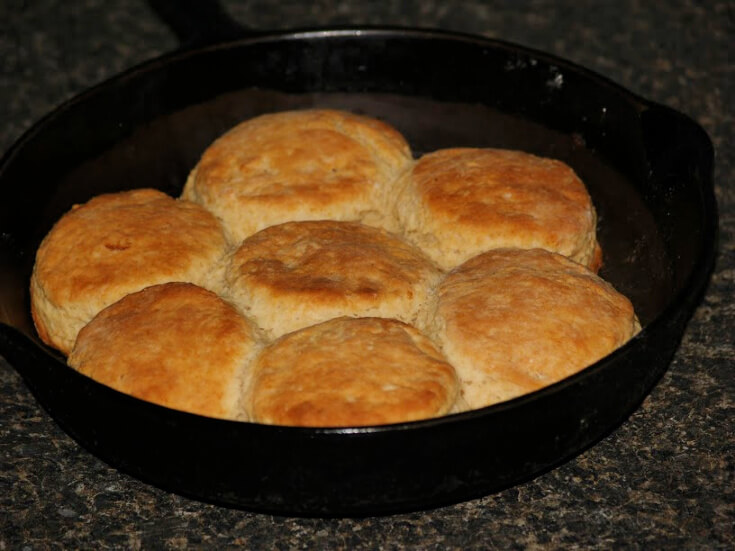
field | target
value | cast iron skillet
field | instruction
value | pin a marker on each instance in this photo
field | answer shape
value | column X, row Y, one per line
column 648, row 168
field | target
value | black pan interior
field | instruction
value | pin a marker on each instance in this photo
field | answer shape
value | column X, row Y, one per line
column 647, row 169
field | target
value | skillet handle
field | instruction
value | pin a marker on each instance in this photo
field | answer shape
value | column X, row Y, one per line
column 199, row 23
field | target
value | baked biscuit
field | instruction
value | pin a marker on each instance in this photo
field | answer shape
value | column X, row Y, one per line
column 174, row 344
column 512, row 321
column 456, row 203
column 300, row 165
column 351, row 372
column 116, row 244
column 291, row 275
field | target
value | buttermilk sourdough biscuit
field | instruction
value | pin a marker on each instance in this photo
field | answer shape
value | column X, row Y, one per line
column 300, row 165
column 512, row 321
column 456, row 203
column 116, row 244
column 296, row 274
column 351, row 372
column 174, row 344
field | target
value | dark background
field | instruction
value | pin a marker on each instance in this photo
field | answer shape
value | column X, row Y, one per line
column 662, row 480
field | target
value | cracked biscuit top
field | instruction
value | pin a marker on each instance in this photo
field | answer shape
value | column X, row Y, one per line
column 116, row 244
column 300, row 165
column 457, row 203
column 512, row 321
column 350, row 372
column 176, row 345
column 296, row 274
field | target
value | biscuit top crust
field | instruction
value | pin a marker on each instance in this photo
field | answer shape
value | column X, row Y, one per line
column 293, row 165
column 351, row 372
column 331, row 259
column 472, row 200
column 118, row 239
column 115, row 244
column 175, row 344
column 512, row 321
column 330, row 264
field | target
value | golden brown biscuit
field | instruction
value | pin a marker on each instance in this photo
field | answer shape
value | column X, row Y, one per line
column 300, row 165
column 512, row 321
column 116, row 244
column 174, row 344
column 457, row 203
column 351, row 372
column 296, row 274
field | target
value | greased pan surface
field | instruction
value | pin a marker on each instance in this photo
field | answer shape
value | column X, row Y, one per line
column 648, row 169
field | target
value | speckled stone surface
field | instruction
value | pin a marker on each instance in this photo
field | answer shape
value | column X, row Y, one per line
column 663, row 480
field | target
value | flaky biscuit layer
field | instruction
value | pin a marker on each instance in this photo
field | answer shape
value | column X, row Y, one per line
column 456, row 203
column 512, row 321
column 300, row 165
column 176, row 345
column 351, row 372
column 297, row 274
column 116, row 244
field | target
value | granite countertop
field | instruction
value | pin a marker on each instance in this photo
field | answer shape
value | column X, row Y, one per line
column 664, row 479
